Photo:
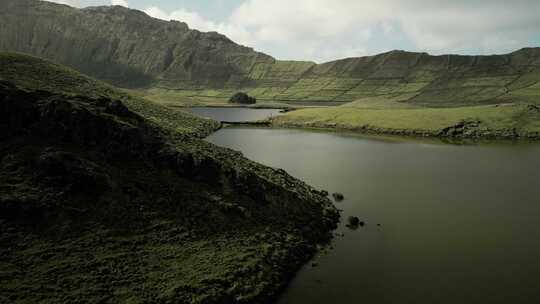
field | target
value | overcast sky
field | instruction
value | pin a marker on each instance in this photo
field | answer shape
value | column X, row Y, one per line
column 323, row 30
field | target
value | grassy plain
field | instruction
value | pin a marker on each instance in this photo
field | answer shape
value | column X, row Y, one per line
column 397, row 117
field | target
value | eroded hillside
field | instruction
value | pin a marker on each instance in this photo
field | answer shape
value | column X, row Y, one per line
column 128, row 48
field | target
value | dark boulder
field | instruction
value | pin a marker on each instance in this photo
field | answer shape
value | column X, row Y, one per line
column 464, row 128
column 354, row 222
column 338, row 197
column 242, row 98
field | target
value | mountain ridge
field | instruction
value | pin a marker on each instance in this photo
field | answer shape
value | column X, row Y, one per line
column 130, row 49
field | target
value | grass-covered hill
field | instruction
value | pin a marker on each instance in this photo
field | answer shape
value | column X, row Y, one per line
column 422, row 79
column 106, row 198
column 501, row 121
column 37, row 74
column 181, row 65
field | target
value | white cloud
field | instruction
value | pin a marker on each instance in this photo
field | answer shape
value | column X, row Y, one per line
column 74, row 3
column 196, row 21
column 193, row 19
column 307, row 29
column 323, row 30
column 491, row 27
column 120, row 2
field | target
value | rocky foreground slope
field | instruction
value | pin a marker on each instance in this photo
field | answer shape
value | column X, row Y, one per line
column 128, row 48
column 105, row 199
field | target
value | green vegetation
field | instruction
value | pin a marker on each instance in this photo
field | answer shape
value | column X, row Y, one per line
column 32, row 73
column 180, row 66
column 184, row 98
column 397, row 92
column 415, row 78
column 491, row 121
column 242, row 98
column 106, row 203
column 107, row 195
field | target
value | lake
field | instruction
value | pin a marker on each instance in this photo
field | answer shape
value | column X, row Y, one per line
column 233, row 114
column 458, row 223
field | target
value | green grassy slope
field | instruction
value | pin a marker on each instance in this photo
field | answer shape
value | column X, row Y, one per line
column 500, row 94
column 415, row 78
column 386, row 117
column 186, row 67
column 100, row 203
column 36, row 74
column 179, row 65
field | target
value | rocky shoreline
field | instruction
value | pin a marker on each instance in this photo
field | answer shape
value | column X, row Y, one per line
column 466, row 129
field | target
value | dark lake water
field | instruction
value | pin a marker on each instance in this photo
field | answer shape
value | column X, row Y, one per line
column 233, row 114
column 459, row 224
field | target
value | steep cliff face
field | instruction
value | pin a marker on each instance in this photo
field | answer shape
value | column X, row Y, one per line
column 125, row 47
column 128, row 48
column 418, row 78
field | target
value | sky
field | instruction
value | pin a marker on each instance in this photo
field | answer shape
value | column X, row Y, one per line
column 324, row 30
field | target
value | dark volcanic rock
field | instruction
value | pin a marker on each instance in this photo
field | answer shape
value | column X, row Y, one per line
column 354, row 222
column 462, row 128
column 338, row 197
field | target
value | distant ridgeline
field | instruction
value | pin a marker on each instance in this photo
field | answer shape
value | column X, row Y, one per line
column 130, row 49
